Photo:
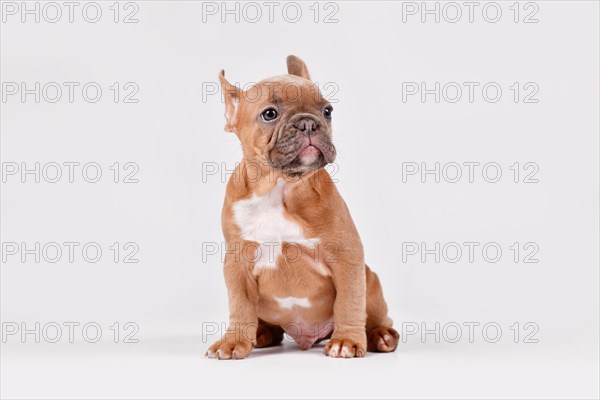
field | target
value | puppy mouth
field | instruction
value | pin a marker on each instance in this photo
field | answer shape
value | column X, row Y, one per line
column 304, row 159
column 310, row 154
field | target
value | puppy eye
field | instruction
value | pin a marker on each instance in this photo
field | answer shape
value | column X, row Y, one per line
column 327, row 112
column 269, row 114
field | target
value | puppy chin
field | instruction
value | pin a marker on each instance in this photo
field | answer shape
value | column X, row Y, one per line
column 304, row 164
column 301, row 164
column 309, row 155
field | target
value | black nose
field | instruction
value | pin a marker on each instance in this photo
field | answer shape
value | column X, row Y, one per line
column 307, row 126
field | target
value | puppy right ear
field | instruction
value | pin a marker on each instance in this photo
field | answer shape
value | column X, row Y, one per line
column 297, row 67
column 232, row 95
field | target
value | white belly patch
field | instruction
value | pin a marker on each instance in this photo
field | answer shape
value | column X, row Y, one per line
column 290, row 302
column 261, row 220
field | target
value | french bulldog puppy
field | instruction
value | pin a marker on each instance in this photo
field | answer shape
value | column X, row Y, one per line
column 294, row 261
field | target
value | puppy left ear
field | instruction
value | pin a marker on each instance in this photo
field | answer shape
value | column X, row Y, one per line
column 297, row 67
column 232, row 95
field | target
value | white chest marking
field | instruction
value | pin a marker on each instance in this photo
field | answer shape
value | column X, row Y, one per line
column 289, row 302
column 261, row 220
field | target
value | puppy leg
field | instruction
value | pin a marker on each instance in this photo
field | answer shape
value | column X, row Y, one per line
column 268, row 335
column 242, row 291
column 381, row 337
column 349, row 310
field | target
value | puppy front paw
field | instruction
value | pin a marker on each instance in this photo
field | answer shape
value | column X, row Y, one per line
column 230, row 349
column 345, row 348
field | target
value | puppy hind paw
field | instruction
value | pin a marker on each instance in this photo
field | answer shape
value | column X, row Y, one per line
column 268, row 335
column 382, row 339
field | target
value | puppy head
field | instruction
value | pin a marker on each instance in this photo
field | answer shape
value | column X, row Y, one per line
column 283, row 121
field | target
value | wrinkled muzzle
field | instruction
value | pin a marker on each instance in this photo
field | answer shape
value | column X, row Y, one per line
column 302, row 144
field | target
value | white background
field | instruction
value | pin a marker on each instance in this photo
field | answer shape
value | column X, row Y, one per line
column 175, row 132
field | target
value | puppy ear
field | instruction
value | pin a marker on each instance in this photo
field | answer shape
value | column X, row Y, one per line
column 232, row 95
column 297, row 67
